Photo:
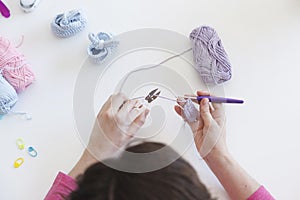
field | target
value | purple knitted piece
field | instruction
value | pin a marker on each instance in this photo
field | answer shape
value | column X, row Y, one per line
column 190, row 112
column 210, row 57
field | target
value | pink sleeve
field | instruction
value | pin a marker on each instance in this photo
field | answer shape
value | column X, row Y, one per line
column 61, row 188
column 261, row 194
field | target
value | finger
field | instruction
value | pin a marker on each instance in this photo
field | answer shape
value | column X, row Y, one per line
column 138, row 123
column 211, row 108
column 218, row 106
column 128, row 107
column 193, row 97
column 135, row 113
column 178, row 110
column 205, row 111
column 214, row 106
column 140, row 120
column 218, row 112
column 139, row 104
column 117, row 101
column 202, row 93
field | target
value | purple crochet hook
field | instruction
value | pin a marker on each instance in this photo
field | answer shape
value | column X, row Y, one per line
column 219, row 99
column 4, row 10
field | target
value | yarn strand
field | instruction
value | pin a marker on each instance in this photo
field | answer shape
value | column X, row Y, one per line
column 153, row 66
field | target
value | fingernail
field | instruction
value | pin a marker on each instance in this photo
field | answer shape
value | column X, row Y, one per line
column 180, row 99
column 205, row 101
column 147, row 112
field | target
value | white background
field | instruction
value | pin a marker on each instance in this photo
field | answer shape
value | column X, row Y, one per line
column 261, row 38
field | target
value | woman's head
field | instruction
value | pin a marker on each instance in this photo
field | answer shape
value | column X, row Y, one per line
column 176, row 181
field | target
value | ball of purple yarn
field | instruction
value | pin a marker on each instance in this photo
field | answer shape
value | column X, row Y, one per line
column 210, row 57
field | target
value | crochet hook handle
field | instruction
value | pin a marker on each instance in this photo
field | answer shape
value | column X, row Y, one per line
column 219, row 99
column 4, row 10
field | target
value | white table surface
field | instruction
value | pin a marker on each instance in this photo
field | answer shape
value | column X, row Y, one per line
column 261, row 38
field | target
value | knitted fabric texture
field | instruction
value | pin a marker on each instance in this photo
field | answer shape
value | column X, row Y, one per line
column 14, row 66
column 190, row 112
column 68, row 24
column 8, row 96
column 102, row 46
column 210, row 57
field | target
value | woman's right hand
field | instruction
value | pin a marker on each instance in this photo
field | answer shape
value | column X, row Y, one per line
column 209, row 130
column 117, row 123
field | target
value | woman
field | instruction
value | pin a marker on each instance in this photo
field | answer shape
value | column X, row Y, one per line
column 119, row 120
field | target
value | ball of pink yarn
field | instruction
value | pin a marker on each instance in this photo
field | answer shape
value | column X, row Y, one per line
column 14, row 66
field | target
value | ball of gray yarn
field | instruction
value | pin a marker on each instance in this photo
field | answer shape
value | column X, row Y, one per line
column 210, row 57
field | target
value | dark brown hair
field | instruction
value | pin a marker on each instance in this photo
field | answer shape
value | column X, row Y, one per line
column 177, row 181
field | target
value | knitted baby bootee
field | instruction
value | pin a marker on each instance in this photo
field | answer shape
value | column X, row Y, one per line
column 68, row 24
column 102, row 46
column 210, row 57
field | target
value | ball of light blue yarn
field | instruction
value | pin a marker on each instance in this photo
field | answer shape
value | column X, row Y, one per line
column 102, row 46
column 68, row 24
column 8, row 96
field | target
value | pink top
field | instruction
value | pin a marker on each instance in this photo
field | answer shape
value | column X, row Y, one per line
column 261, row 194
column 64, row 185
